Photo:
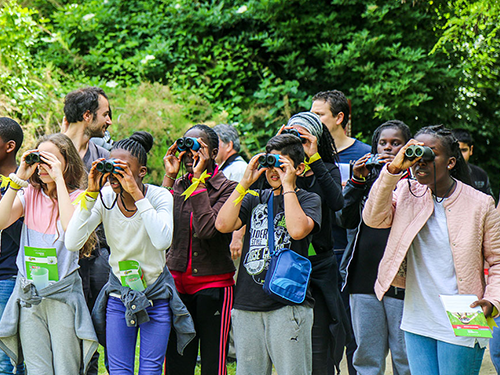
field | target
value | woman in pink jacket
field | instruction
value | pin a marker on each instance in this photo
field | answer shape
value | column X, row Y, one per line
column 442, row 233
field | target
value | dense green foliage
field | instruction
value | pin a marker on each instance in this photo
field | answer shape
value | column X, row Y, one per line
column 256, row 62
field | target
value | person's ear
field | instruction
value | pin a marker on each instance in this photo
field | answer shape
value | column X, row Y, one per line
column 88, row 116
column 300, row 169
column 471, row 149
column 10, row 146
column 451, row 163
column 340, row 118
column 215, row 151
column 143, row 171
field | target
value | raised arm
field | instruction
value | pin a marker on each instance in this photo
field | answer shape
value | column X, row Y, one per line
column 11, row 208
column 228, row 217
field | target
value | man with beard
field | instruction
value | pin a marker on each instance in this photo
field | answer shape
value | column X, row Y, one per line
column 88, row 114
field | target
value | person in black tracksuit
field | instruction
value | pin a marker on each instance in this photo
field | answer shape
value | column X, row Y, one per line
column 330, row 332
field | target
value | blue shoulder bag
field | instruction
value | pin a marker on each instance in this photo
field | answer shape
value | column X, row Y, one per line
column 288, row 275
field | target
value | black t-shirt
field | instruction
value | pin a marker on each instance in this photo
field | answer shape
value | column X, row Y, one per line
column 9, row 247
column 368, row 253
column 480, row 179
column 255, row 257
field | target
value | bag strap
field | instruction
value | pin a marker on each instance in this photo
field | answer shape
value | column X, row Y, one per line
column 270, row 224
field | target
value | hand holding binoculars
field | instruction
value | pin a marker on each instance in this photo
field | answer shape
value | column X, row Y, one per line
column 416, row 151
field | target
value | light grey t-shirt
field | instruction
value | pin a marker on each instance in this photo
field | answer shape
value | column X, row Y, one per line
column 431, row 272
column 94, row 152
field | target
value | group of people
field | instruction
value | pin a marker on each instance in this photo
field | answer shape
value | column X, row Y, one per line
column 186, row 263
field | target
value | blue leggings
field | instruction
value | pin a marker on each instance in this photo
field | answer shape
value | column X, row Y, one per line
column 428, row 356
column 121, row 340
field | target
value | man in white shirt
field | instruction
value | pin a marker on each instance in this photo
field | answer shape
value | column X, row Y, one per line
column 228, row 159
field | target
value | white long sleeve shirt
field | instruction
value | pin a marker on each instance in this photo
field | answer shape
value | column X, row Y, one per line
column 143, row 237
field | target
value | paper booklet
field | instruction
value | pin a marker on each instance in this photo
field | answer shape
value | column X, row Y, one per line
column 36, row 257
column 465, row 320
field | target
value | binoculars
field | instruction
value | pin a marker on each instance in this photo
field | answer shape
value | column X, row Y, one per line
column 33, row 158
column 294, row 132
column 373, row 162
column 269, row 160
column 186, row 143
column 423, row 152
column 107, row 166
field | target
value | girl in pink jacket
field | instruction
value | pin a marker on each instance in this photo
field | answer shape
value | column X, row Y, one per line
column 442, row 233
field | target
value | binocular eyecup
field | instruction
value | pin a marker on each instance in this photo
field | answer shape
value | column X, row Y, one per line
column 294, row 132
column 270, row 161
column 33, row 158
column 187, row 143
column 107, row 166
column 424, row 152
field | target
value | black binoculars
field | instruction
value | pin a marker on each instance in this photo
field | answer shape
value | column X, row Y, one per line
column 415, row 151
column 107, row 166
column 270, row 160
column 186, row 143
column 294, row 132
column 373, row 162
column 33, row 158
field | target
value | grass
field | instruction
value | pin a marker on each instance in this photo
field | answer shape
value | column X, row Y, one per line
column 231, row 367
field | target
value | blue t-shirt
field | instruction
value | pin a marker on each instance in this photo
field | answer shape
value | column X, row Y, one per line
column 346, row 156
column 9, row 247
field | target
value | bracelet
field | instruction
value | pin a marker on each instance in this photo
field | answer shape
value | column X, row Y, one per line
column 359, row 179
column 289, row 191
column 169, row 188
column 18, row 182
column 172, row 178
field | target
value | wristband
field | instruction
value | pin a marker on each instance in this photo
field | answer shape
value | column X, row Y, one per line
column 359, row 179
column 18, row 182
column 311, row 160
column 240, row 189
column 82, row 198
column 172, row 178
column 289, row 192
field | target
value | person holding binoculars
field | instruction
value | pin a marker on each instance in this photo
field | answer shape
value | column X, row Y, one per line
column 267, row 331
column 47, row 310
column 138, row 224
column 443, row 231
column 382, row 332
column 322, row 176
column 199, row 258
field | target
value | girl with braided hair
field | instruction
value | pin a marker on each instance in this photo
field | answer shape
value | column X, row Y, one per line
column 443, row 232
column 138, row 224
column 381, row 333
column 322, row 176
column 200, row 259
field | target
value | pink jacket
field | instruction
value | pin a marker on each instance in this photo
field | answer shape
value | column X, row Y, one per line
column 473, row 228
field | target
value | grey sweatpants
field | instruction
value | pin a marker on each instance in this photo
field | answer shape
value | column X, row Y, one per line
column 376, row 329
column 281, row 337
column 48, row 338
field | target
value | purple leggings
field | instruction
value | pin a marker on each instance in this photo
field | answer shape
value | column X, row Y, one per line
column 121, row 340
